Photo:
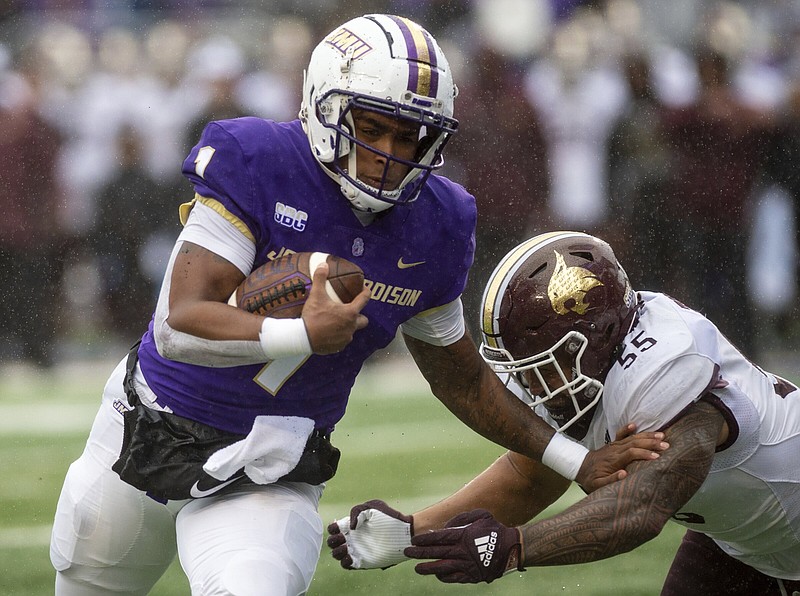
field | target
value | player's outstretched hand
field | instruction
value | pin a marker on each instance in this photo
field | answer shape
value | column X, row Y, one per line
column 372, row 537
column 607, row 464
column 330, row 325
column 473, row 547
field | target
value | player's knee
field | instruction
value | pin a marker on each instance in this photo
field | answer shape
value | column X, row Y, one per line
column 83, row 581
column 108, row 535
column 77, row 515
column 254, row 574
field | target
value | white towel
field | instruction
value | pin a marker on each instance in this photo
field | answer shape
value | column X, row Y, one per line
column 271, row 449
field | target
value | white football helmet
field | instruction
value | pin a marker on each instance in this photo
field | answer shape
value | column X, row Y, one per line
column 388, row 65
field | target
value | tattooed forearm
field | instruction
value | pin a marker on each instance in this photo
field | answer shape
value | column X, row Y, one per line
column 625, row 514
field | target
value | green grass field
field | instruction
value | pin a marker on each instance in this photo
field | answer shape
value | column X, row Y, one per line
column 398, row 443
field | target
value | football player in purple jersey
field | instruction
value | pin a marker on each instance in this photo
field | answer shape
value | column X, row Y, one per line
column 213, row 435
column 589, row 355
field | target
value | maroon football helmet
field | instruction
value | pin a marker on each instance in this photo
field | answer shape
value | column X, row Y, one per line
column 554, row 312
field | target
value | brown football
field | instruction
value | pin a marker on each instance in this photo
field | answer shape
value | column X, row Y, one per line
column 279, row 288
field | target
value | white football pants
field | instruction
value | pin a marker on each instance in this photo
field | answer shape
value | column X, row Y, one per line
column 110, row 538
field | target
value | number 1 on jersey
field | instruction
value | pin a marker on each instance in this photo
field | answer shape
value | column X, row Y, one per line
column 204, row 155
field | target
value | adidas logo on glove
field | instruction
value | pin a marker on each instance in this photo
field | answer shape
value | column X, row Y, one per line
column 485, row 546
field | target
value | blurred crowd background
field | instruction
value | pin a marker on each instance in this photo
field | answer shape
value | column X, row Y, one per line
column 670, row 129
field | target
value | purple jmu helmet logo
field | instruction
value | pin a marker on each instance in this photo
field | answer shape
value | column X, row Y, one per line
column 348, row 42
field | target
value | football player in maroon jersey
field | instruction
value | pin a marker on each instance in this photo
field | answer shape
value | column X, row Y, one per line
column 563, row 326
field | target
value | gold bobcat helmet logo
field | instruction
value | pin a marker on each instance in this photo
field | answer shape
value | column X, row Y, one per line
column 569, row 285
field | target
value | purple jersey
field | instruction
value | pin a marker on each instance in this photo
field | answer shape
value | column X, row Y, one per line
column 264, row 175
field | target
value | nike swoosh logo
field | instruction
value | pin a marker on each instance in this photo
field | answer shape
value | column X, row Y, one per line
column 197, row 493
column 403, row 265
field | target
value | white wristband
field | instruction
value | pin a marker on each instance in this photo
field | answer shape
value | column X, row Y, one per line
column 564, row 455
column 284, row 337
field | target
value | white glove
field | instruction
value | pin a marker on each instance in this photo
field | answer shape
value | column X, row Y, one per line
column 372, row 537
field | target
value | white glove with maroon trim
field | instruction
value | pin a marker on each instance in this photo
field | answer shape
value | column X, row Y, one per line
column 372, row 537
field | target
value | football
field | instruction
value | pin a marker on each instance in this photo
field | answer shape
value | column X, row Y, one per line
column 279, row 288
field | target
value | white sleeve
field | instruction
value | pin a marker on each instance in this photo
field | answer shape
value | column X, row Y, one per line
column 210, row 230
column 207, row 228
column 440, row 326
